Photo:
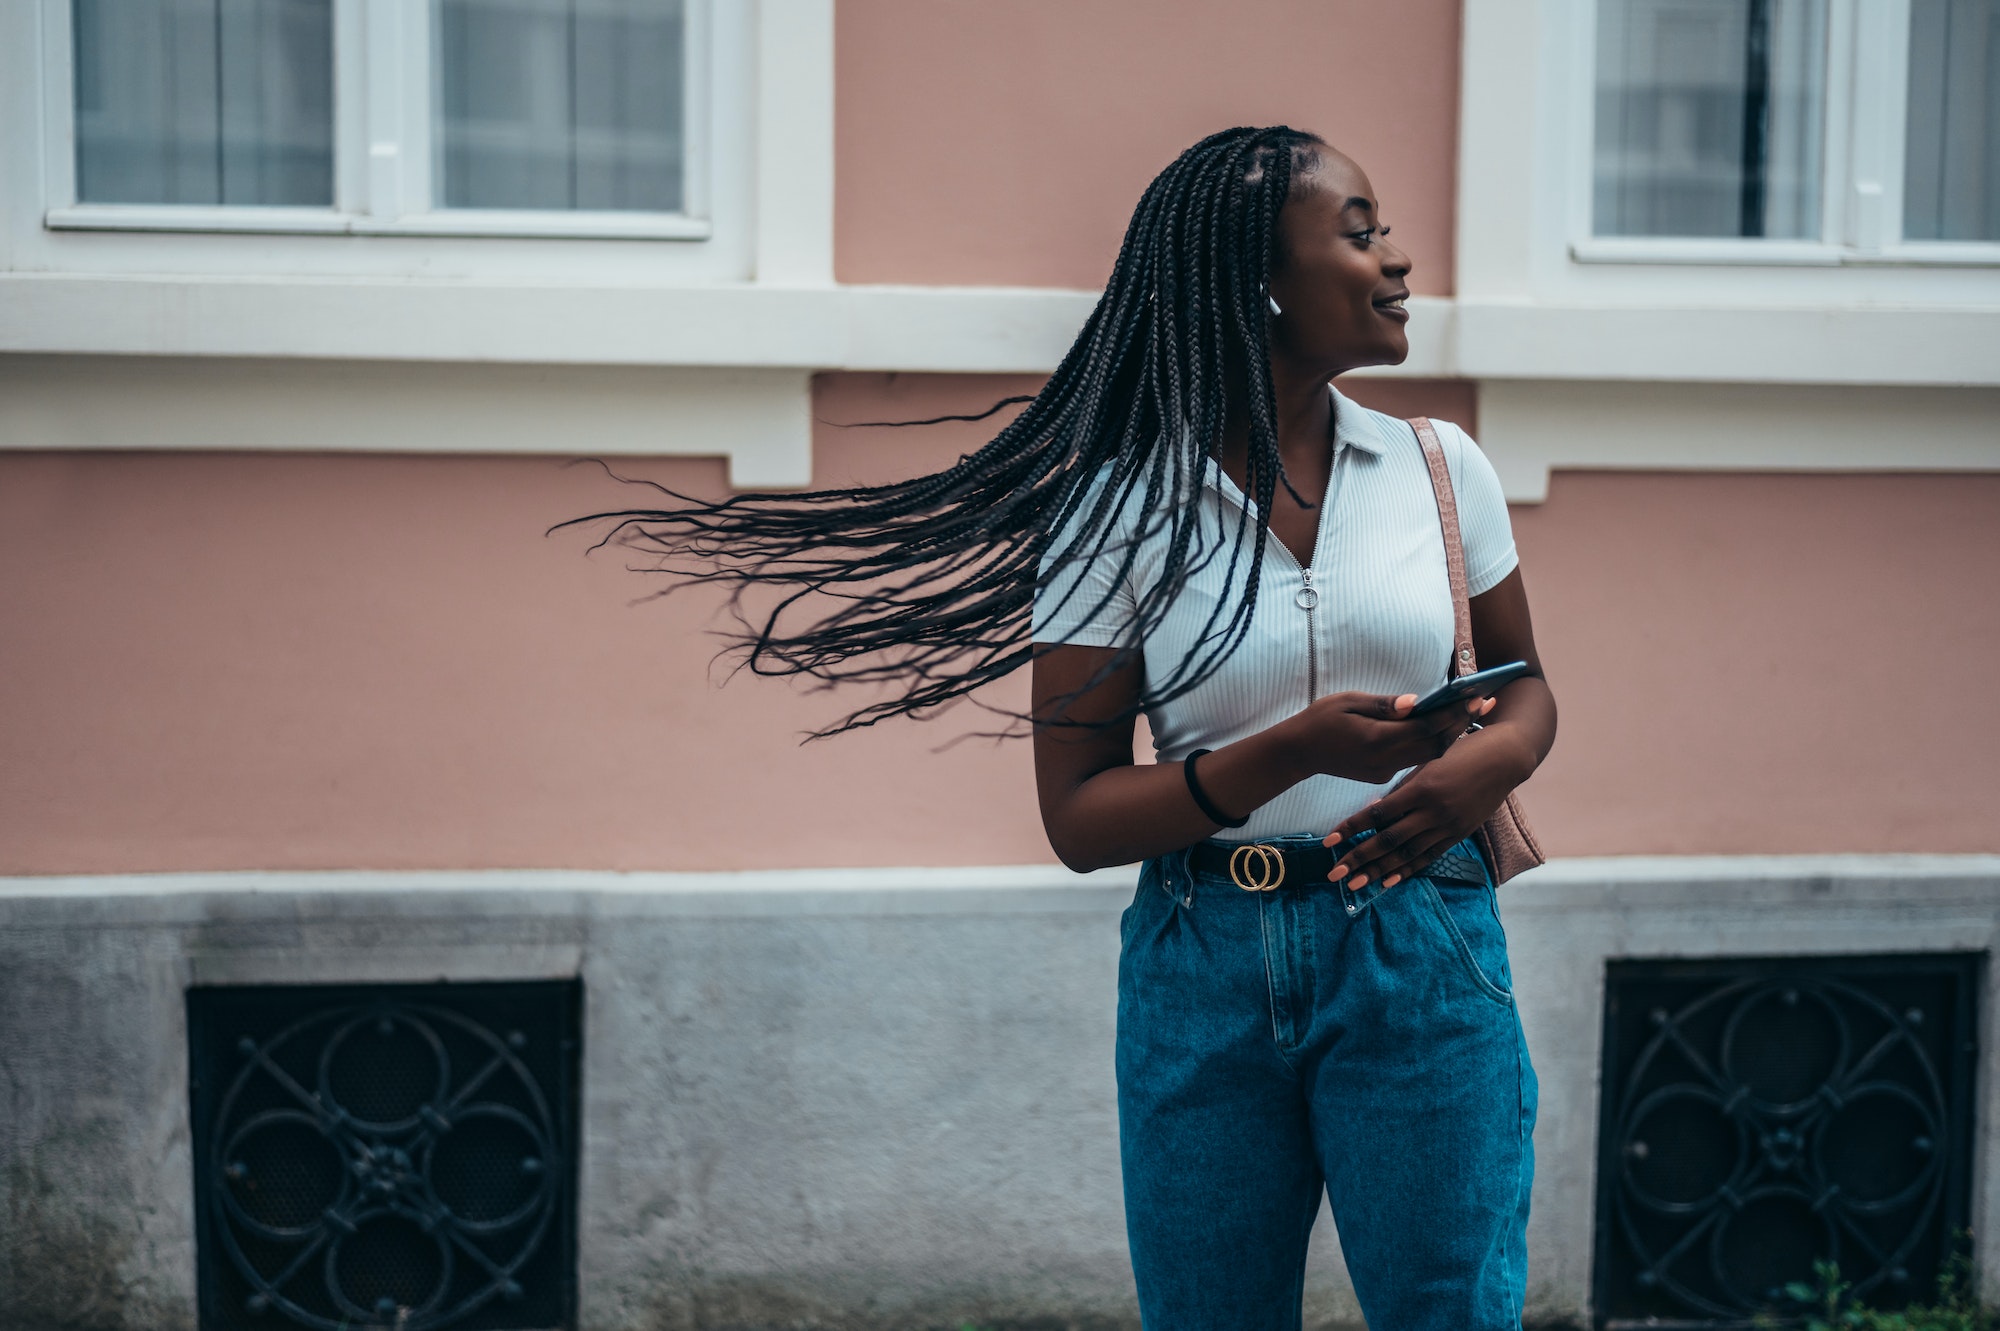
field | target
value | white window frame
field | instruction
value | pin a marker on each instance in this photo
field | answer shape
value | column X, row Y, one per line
column 1861, row 188
column 385, row 102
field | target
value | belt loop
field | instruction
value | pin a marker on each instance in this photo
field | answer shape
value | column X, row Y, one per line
column 1359, row 900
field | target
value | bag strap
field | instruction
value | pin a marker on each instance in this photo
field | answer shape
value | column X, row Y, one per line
column 1463, row 659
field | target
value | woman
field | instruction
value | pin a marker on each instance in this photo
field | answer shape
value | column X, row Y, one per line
column 1188, row 522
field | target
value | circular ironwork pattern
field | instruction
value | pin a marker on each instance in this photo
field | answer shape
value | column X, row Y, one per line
column 391, row 1183
column 1782, row 1148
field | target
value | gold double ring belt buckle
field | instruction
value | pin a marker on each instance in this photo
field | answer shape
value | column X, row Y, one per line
column 1256, row 868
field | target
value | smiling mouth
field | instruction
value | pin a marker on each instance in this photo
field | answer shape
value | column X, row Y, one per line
column 1394, row 306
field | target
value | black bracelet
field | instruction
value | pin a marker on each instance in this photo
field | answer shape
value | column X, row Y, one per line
column 1209, row 811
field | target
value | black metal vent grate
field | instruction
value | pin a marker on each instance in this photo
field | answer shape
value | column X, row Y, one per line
column 1759, row 1115
column 394, row 1156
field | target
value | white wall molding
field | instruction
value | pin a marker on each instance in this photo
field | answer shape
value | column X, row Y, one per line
column 1563, row 884
column 759, row 419
column 755, row 325
column 795, row 142
column 1728, row 344
column 1532, row 427
column 323, row 366
column 980, row 330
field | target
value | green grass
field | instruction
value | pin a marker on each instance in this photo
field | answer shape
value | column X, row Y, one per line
column 1828, row 1305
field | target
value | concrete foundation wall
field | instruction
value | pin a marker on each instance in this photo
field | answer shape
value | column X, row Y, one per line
column 868, row 1098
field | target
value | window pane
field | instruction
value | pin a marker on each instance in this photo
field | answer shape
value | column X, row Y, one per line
column 570, row 104
column 204, row 101
column 1709, row 117
column 1951, row 181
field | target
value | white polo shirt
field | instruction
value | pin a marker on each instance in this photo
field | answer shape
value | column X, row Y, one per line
column 1381, row 621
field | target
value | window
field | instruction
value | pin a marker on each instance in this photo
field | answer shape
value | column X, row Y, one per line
column 1856, row 125
column 1951, row 171
column 1709, row 117
column 568, row 104
column 201, row 102
column 566, row 117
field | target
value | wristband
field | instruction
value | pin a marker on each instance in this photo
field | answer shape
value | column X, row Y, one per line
column 1208, row 810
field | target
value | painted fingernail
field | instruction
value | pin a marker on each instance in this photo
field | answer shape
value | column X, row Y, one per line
column 1405, row 701
column 1491, row 703
column 1332, row 839
column 1361, row 881
column 1339, row 872
column 1392, row 880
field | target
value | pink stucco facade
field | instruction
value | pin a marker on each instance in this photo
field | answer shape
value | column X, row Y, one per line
column 1006, row 144
column 333, row 660
column 222, row 661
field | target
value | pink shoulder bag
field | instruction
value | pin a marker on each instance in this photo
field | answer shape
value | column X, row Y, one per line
column 1508, row 845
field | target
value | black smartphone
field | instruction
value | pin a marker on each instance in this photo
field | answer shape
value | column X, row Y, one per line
column 1481, row 684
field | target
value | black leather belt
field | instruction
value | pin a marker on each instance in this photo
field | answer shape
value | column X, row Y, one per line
column 1257, row 867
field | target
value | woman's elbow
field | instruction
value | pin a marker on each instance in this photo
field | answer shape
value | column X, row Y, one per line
column 1076, row 859
column 1075, row 852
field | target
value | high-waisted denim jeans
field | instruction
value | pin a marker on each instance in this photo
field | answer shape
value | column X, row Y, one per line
column 1274, row 1043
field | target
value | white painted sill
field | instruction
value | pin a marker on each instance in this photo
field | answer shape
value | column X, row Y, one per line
column 1780, row 253
column 325, row 221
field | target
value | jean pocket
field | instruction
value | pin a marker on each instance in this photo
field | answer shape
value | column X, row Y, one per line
column 1156, row 881
column 1461, row 864
column 1470, row 917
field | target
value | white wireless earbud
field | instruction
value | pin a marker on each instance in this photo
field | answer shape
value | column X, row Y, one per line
column 1274, row 303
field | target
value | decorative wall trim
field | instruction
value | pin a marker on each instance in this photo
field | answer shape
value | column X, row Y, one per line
column 980, row 330
column 1561, row 885
column 795, row 142
column 1532, row 427
column 760, row 419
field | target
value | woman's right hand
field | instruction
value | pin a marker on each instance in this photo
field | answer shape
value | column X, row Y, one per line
column 1371, row 736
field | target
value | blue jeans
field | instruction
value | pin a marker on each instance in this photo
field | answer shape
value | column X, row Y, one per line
column 1274, row 1043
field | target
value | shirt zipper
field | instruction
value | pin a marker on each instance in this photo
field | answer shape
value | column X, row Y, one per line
column 1308, row 600
column 1307, row 596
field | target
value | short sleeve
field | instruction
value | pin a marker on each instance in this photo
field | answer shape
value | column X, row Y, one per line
column 1482, row 512
column 1087, row 603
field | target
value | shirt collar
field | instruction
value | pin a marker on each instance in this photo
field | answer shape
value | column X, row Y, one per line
column 1354, row 426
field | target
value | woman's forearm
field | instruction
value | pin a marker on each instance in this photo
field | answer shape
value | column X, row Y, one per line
column 1136, row 811
column 1524, row 719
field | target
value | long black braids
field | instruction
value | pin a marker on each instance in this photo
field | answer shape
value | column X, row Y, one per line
column 926, row 585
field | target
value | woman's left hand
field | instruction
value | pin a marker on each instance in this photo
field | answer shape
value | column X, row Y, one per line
column 1436, row 807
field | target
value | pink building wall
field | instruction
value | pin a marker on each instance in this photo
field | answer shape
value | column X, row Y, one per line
column 323, row 661
column 1006, row 144
column 318, row 661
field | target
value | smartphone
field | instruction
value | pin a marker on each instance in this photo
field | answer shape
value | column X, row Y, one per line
column 1482, row 684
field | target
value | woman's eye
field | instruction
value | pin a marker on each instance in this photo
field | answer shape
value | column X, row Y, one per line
column 1363, row 236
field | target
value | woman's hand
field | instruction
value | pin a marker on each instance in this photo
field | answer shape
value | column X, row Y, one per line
column 1371, row 737
column 1440, row 805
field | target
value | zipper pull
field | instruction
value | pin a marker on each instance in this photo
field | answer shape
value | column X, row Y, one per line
column 1308, row 595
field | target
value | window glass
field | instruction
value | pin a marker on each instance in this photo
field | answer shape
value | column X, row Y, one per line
column 1951, row 170
column 565, row 104
column 1709, row 117
column 204, row 101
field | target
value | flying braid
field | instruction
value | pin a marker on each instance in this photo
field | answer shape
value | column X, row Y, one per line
column 926, row 585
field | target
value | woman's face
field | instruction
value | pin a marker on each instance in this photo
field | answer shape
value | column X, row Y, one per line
column 1338, row 280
